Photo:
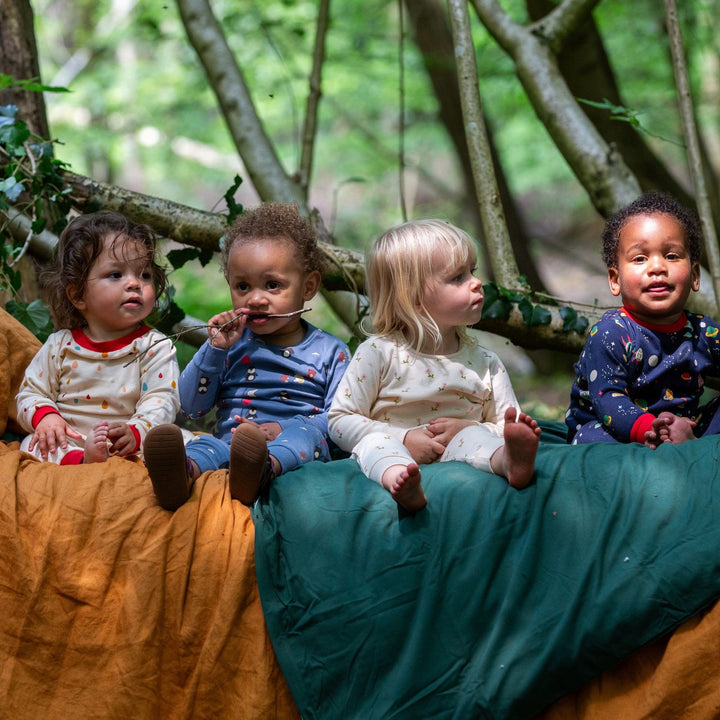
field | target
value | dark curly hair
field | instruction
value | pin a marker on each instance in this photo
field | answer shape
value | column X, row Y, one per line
column 275, row 220
column 651, row 203
column 79, row 246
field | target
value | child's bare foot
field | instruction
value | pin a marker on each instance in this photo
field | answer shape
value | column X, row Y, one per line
column 522, row 436
column 405, row 487
column 96, row 447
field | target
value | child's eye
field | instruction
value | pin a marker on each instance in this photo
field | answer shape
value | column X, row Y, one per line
column 146, row 275
column 115, row 275
column 672, row 256
column 638, row 259
column 272, row 285
column 242, row 287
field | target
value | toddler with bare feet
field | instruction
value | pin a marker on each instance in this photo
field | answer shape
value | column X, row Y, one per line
column 421, row 389
column 100, row 383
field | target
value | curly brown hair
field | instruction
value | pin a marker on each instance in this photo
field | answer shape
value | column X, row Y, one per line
column 279, row 221
column 79, row 246
column 651, row 203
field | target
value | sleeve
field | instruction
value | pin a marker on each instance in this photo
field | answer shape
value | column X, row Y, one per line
column 338, row 354
column 609, row 383
column 503, row 397
column 39, row 386
column 159, row 401
column 201, row 380
column 349, row 417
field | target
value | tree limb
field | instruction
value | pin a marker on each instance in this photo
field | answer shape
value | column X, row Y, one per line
column 228, row 83
column 600, row 170
column 693, row 146
column 495, row 229
column 313, row 101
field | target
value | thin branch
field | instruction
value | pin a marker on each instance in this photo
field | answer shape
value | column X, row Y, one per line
column 693, row 145
column 218, row 328
column 559, row 24
column 228, row 83
column 311, row 111
column 502, row 258
column 401, row 109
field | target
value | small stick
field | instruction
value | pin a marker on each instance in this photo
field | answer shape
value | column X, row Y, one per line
column 252, row 315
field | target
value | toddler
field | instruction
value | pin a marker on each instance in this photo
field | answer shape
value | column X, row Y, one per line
column 641, row 373
column 100, row 383
column 421, row 389
column 268, row 374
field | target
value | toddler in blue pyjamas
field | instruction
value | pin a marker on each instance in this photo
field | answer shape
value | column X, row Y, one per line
column 269, row 375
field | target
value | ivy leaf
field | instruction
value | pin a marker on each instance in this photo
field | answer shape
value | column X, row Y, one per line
column 534, row 314
column 178, row 258
column 234, row 209
column 11, row 188
column 572, row 322
column 34, row 316
column 497, row 306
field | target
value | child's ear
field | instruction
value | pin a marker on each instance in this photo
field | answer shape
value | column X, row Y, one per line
column 312, row 284
column 614, row 281
column 75, row 297
column 695, row 276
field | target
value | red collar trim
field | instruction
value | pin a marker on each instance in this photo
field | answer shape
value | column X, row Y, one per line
column 672, row 327
column 84, row 341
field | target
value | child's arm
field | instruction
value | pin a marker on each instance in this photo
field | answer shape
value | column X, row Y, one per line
column 349, row 416
column 159, row 401
column 39, row 389
column 607, row 360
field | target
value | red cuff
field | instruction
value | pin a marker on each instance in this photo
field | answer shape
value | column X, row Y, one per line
column 74, row 457
column 641, row 426
column 41, row 412
column 138, row 439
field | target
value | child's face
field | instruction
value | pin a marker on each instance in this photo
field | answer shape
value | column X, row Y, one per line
column 453, row 295
column 654, row 274
column 265, row 276
column 119, row 292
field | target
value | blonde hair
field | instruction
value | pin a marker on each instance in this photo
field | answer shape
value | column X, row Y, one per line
column 398, row 268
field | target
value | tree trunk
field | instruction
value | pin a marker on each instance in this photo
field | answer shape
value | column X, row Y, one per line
column 19, row 60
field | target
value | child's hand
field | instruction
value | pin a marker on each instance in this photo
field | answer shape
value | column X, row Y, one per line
column 122, row 439
column 233, row 322
column 423, row 446
column 50, row 433
column 673, row 428
column 445, row 429
column 270, row 429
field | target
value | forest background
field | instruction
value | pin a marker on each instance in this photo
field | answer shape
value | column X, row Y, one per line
column 368, row 109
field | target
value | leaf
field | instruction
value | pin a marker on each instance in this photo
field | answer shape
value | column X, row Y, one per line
column 11, row 188
column 572, row 322
column 234, row 209
column 178, row 258
column 498, row 308
column 34, row 316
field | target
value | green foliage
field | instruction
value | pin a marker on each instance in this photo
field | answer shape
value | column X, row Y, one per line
column 499, row 303
column 34, row 316
column 31, row 184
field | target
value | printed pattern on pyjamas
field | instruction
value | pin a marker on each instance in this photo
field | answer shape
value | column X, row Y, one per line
column 131, row 379
column 629, row 372
column 292, row 386
column 388, row 390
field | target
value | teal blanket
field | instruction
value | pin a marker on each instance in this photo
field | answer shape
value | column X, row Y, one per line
column 491, row 603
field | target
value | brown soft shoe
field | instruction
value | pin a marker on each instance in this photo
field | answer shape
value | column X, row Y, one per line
column 164, row 452
column 250, row 468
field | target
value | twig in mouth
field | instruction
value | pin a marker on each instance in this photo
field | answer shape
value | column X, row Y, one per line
column 250, row 316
